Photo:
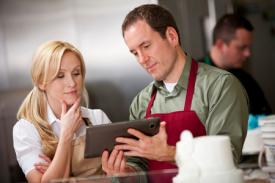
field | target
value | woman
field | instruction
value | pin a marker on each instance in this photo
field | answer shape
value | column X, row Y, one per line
column 52, row 122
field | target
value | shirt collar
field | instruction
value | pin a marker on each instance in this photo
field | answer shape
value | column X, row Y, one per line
column 208, row 60
column 52, row 118
column 183, row 80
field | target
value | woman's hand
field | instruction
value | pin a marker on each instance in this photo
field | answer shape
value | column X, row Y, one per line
column 153, row 148
column 71, row 119
column 115, row 163
column 43, row 166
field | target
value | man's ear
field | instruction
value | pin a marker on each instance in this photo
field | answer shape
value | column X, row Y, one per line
column 220, row 43
column 172, row 35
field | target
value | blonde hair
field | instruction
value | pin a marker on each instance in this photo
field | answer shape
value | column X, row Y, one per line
column 45, row 67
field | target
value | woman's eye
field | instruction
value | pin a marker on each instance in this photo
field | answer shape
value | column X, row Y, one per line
column 76, row 73
column 60, row 76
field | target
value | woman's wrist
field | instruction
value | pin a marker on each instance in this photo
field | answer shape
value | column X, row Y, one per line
column 66, row 137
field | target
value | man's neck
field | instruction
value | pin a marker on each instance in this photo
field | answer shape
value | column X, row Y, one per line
column 177, row 68
column 216, row 57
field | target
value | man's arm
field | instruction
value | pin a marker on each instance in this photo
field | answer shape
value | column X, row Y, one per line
column 228, row 112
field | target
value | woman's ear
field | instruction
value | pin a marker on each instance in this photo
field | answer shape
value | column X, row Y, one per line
column 172, row 35
column 42, row 87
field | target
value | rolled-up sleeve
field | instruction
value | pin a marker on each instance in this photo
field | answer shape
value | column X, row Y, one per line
column 27, row 145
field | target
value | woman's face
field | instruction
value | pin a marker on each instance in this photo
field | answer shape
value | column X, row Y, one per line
column 68, row 84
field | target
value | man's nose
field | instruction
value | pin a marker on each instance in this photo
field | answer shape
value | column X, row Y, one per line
column 247, row 52
column 143, row 58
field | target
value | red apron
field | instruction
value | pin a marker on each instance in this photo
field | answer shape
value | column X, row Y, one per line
column 177, row 121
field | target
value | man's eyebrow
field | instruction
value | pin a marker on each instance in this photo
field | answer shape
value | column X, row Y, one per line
column 141, row 44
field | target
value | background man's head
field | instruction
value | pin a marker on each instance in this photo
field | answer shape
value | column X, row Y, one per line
column 232, row 35
column 157, row 17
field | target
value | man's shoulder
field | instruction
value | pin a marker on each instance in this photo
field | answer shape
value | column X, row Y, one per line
column 213, row 76
column 205, row 69
column 147, row 90
column 144, row 95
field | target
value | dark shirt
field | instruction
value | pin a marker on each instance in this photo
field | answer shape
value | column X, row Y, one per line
column 257, row 101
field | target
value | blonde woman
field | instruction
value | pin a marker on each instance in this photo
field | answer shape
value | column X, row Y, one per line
column 50, row 132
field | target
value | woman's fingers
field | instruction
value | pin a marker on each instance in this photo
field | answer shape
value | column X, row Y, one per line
column 118, row 161
column 76, row 105
column 63, row 108
column 114, row 163
column 104, row 161
column 41, row 167
column 46, row 158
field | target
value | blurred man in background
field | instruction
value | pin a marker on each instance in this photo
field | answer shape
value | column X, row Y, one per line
column 232, row 40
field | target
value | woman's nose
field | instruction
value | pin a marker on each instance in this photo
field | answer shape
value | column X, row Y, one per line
column 70, row 81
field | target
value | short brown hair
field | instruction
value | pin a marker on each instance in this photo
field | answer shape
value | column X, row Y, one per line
column 157, row 17
column 228, row 24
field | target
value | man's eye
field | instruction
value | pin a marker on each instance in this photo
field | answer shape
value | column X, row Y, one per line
column 146, row 46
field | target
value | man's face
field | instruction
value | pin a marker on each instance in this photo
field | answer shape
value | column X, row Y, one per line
column 238, row 50
column 155, row 54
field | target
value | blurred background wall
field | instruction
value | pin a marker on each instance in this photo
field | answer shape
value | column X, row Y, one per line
column 113, row 75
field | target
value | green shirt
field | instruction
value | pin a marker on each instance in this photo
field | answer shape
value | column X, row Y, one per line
column 219, row 100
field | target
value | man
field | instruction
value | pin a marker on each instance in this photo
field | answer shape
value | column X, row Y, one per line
column 186, row 95
column 232, row 39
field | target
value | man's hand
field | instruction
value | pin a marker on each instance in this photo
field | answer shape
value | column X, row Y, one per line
column 153, row 148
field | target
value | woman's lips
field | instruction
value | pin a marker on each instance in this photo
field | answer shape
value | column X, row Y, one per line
column 71, row 92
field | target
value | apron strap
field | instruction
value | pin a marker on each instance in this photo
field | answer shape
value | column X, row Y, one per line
column 191, row 85
column 150, row 104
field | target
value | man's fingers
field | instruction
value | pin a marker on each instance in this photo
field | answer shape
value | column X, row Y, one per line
column 136, row 133
column 129, row 141
column 126, row 147
column 162, row 128
column 133, row 153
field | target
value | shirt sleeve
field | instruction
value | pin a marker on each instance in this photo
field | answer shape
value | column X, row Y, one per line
column 228, row 112
column 27, row 145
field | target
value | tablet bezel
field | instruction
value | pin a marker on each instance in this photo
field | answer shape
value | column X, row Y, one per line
column 102, row 137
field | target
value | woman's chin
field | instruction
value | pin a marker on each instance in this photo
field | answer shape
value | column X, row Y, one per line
column 70, row 101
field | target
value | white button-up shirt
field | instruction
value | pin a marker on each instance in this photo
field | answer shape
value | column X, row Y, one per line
column 27, row 141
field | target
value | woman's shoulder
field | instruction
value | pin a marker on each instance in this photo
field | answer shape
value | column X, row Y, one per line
column 23, row 129
column 23, row 125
